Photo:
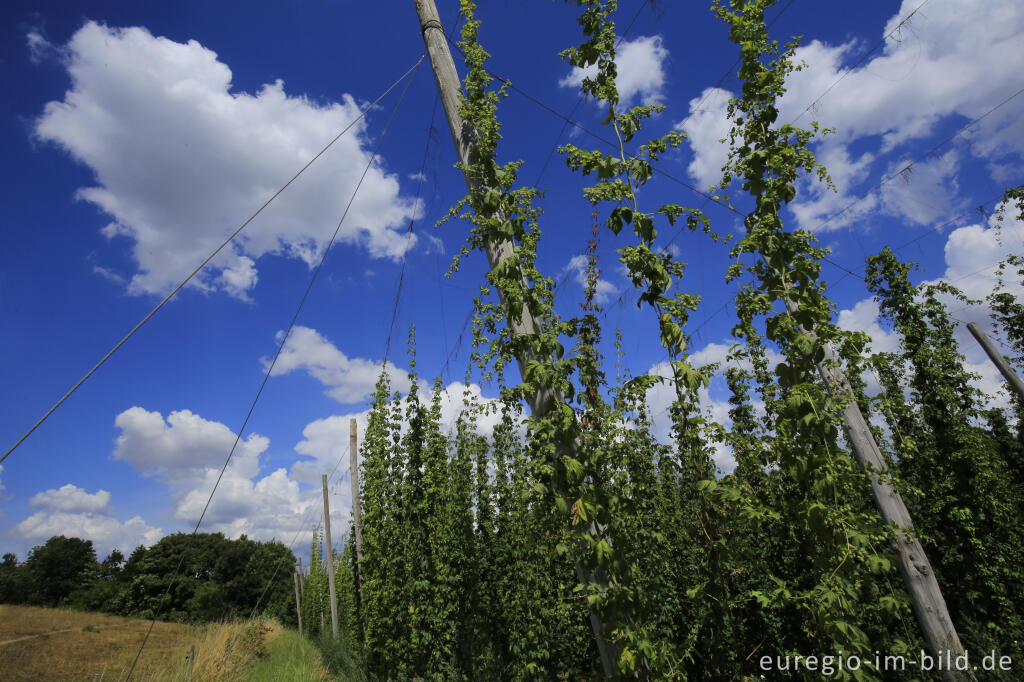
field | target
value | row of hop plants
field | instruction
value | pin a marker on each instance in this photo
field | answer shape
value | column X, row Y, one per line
column 468, row 569
column 570, row 543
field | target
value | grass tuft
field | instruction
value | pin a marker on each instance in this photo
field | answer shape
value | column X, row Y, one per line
column 291, row 658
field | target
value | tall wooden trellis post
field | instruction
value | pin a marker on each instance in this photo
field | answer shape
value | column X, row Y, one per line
column 353, row 461
column 330, row 561
column 449, row 89
column 997, row 359
column 929, row 605
column 298, row 601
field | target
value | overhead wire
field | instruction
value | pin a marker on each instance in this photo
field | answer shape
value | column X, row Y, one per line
column 847, row 70
column 937, row 228
column 728, row 73
column 301, row 530
column 203, row 264
column 568, row 120
column 581, row 98
column 904, row 169
column 908, row 167
column 409, row 231
column 554, row 148
column 277, row 355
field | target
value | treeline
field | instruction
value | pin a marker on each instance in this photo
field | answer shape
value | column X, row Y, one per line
column 572, row 544
column 218, row 578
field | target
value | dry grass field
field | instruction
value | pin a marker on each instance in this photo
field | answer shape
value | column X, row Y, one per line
column 57, row 645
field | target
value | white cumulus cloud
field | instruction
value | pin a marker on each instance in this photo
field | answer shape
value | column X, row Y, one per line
column 348, row 380
column 604, row 290
column 71, row 498
column 863, row 317
column 180, row 159
column 923, row 194
column 950, row 58
column 973, row 251
column 326, row 441
column 186, row 452
column 705, row 127
column 948, row 64
column 73, row 512
column 641, row 71
column 105, row 531
column 183, row 449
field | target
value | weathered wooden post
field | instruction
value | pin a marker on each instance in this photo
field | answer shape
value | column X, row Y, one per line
column 298, row 601
column 330, row 561
column 449, row 88
column 353, row 456
column 997, row 359
column 928, row 603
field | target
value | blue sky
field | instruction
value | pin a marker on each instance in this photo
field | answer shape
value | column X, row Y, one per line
column 136, row 137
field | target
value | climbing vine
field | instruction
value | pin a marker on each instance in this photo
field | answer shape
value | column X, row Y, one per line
column 549, row 534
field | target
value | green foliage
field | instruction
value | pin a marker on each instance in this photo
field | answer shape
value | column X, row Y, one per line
column 59, row 567
column 505, row 226
column 298, row 660
column 1015, row 196
column 251, row 641
column 512, row 546
column 342, row 655
column 219, row 579
column 967, row 476
column 500, row 558
column 818, row 498
column 1007, row 311
column 339, row 658
column 15, row 581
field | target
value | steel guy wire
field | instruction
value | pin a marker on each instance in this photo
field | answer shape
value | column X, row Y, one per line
column 277, row 355
column 412, row 223
column 301, row 530
column 847, row 70
column 203, row 264
column 907, row 168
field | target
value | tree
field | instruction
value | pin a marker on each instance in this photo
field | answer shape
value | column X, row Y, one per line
column 14, row 581
column 111, row 567
column 58, row 568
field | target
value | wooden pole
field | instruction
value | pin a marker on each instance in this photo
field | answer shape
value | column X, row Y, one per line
column 353, row 450
column 330, row 562
column 928, row 603
column 312, row 547
column 353, row 457
column 997, row 359
column 449, row 89
column 298, row 601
